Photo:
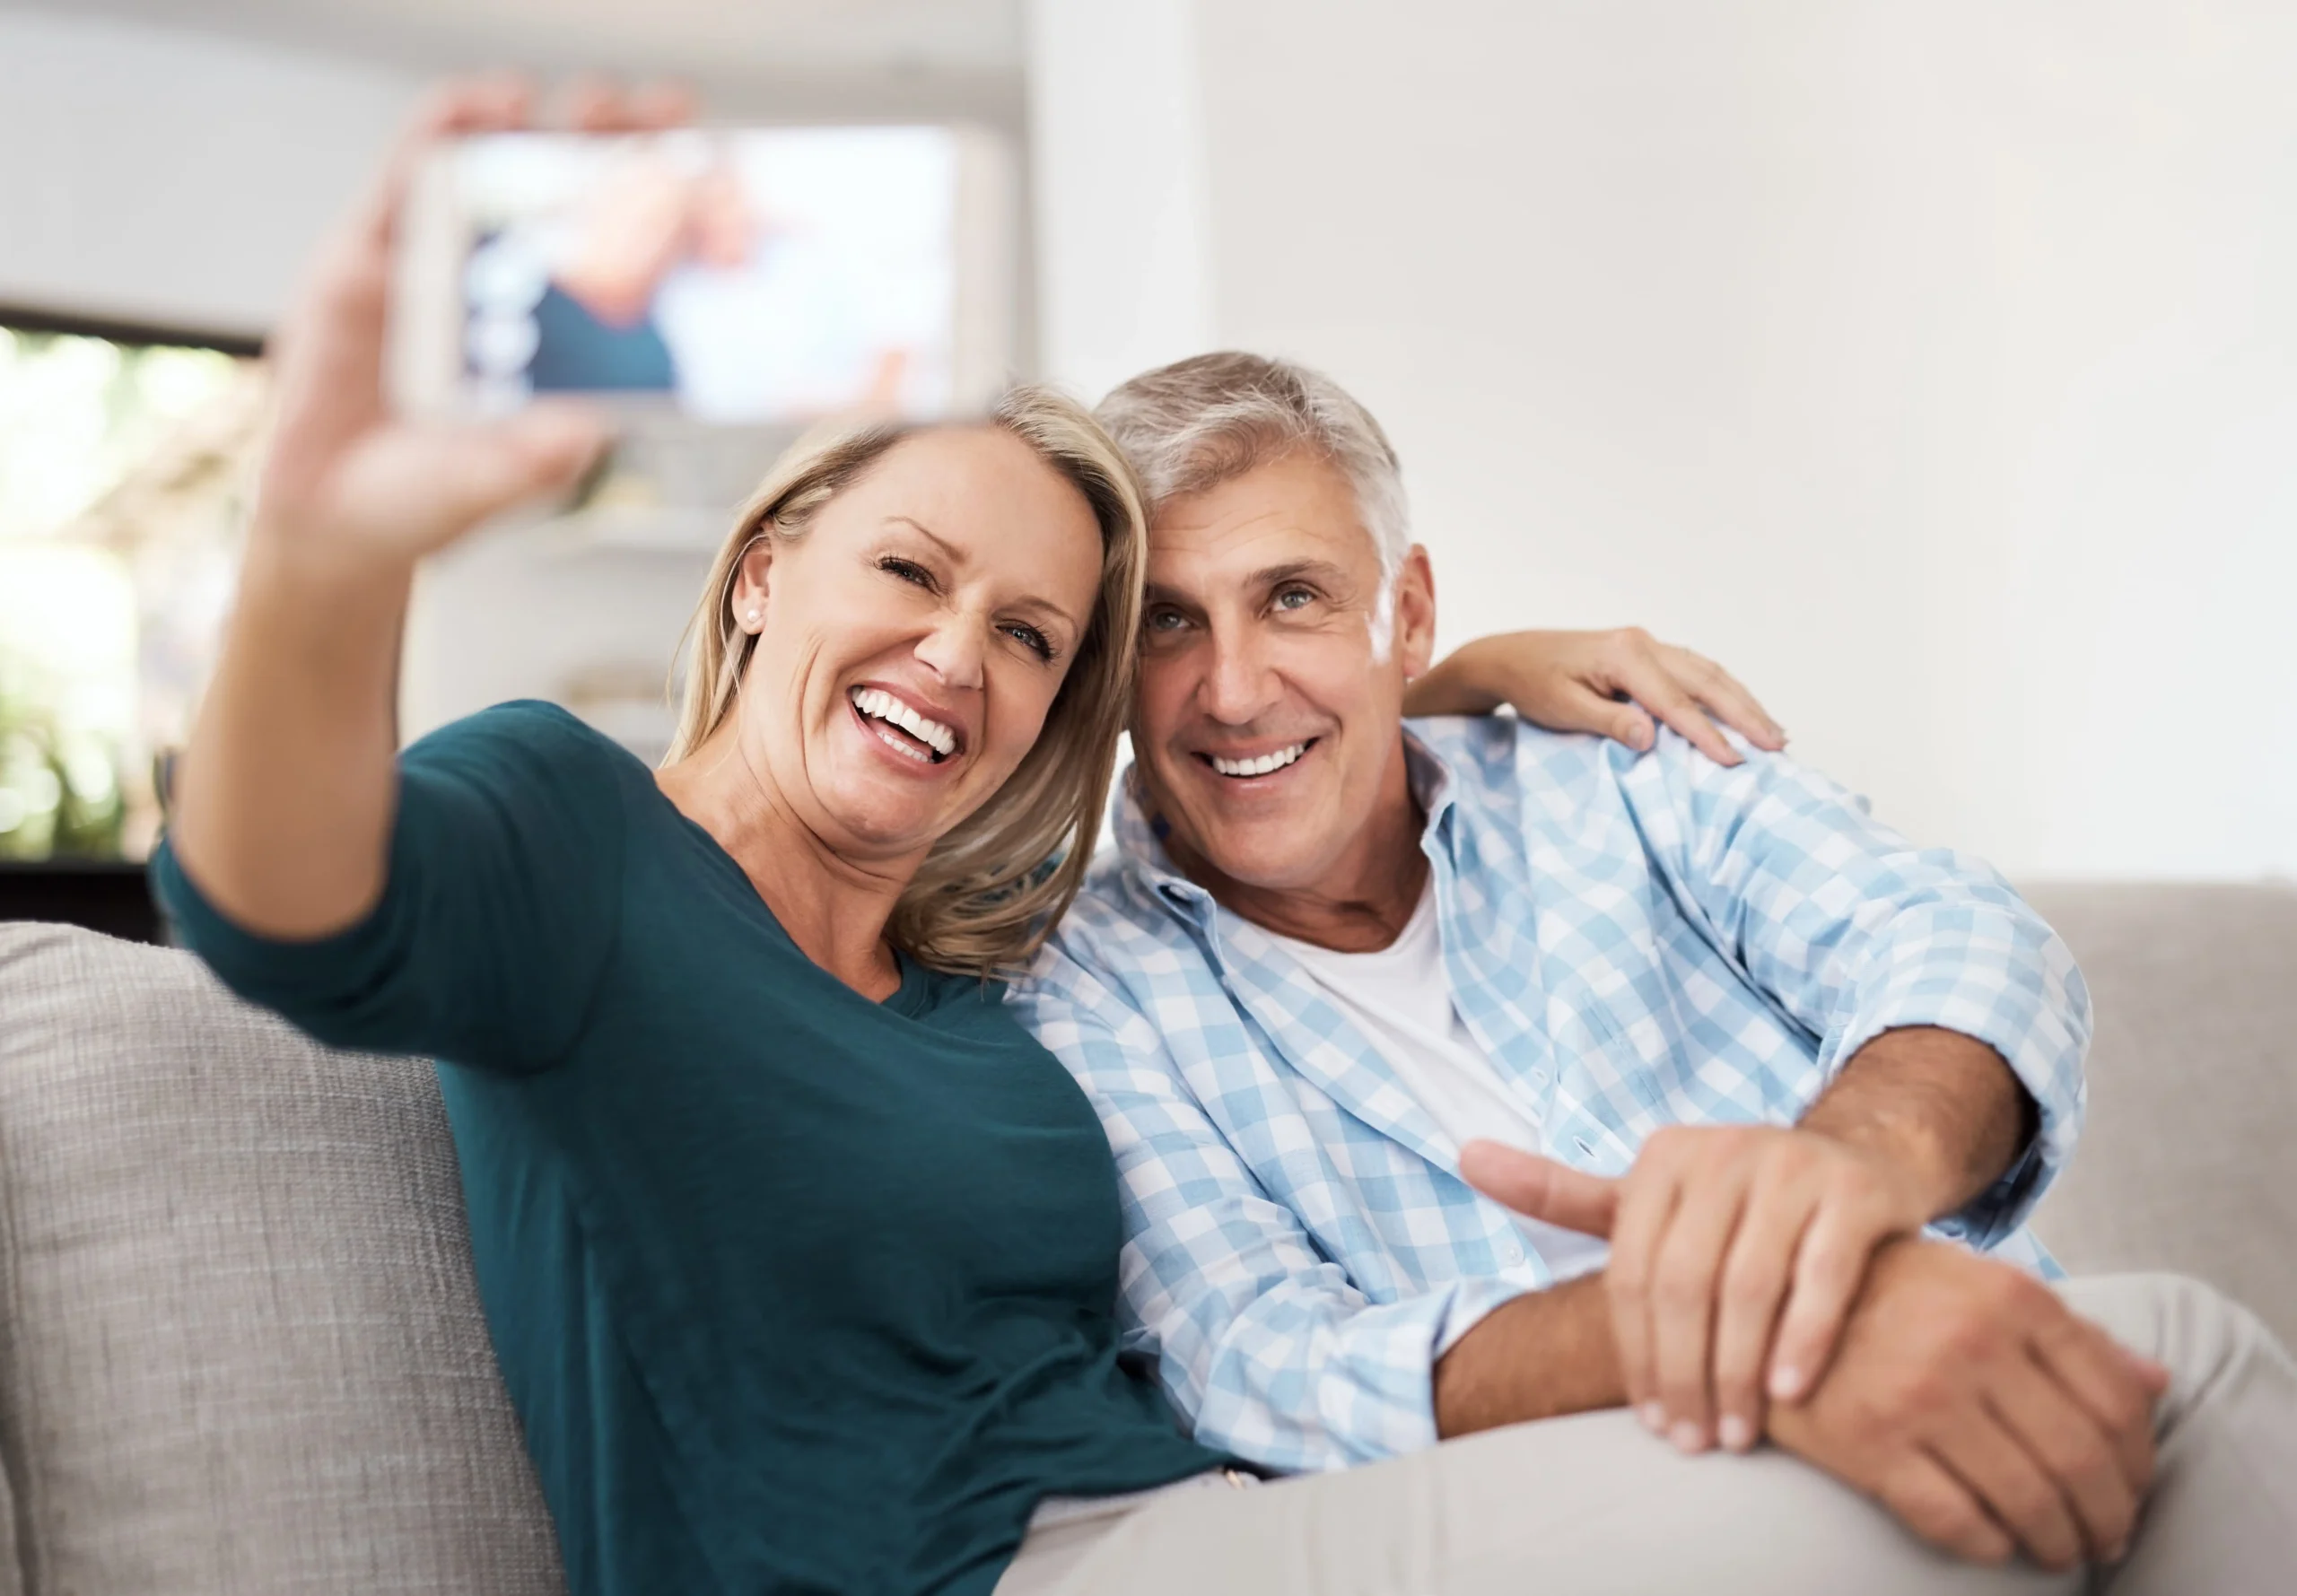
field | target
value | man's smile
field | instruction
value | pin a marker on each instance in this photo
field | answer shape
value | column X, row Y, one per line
column 1246, row 766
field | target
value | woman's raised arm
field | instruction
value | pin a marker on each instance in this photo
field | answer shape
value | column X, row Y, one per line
column 282, row 805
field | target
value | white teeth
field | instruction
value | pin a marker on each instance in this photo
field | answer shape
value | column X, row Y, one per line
column 1261, row 766
column 878, row 705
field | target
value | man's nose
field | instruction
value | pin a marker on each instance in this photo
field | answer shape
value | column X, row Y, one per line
column 955, row 649
column 1241, row 685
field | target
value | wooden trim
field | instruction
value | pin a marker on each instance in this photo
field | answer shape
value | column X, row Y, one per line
column 32, row 319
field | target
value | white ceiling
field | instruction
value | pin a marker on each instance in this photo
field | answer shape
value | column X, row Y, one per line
column 710, row 40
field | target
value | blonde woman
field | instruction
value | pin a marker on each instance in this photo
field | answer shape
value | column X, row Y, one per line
column 799, row 1254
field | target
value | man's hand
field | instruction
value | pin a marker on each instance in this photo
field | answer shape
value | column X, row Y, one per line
column 1736, row 1251
column 1610, row 683
column 1984, row 1413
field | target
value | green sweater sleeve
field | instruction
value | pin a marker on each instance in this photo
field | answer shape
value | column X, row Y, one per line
column 498, row 915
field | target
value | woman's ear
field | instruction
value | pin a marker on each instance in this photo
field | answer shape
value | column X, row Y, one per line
column 750, row 582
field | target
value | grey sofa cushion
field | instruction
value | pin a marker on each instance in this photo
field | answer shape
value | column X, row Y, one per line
column 2189, row 1162
column 243, row 1349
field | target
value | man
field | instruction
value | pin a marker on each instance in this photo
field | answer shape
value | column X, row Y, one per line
column 1768, row 1047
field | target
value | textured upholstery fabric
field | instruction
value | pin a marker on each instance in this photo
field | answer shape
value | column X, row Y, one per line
column 240, row 1348
column 2189, row 1162
column 243, row 1349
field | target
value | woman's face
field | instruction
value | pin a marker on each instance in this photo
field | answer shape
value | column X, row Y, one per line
column 912, row 639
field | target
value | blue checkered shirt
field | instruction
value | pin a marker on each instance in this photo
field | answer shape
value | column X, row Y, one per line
column 1635, row 940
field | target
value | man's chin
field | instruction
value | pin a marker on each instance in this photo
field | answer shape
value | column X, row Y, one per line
column 1265, row 856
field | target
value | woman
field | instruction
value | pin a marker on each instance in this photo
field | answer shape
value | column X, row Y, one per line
column 798, row 1255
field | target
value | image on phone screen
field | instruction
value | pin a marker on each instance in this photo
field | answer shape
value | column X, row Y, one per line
column 748, row 277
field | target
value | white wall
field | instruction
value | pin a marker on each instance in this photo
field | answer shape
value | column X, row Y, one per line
column 1118, row 161
column 1934, row 367
column 168, row 176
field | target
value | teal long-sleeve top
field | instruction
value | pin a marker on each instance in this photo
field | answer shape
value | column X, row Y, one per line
column 793, row 1291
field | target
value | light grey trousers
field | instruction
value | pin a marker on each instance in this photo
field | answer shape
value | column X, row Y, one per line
column 1594, row 1504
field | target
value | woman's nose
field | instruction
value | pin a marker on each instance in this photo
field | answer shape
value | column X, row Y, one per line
column 955, row 649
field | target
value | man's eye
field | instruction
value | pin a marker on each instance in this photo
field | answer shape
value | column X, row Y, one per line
column 1294, row 597
column 1031, row 639
column 909, row 571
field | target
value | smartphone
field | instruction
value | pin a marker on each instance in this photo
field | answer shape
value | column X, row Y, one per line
column 758, row 276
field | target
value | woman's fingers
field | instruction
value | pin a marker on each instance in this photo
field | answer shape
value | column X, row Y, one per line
column 1574, row 705
column 1682, row 1294
column 1755, row 1281
column 1724, row 697
column 1646, row 1206
column 491, row 102
column 597, row 104
column 423, row 486
column 1641, row 669
column 1828, row 1268
column 1541, row 1188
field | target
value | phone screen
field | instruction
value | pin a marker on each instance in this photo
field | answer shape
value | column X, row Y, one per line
column 750, row 277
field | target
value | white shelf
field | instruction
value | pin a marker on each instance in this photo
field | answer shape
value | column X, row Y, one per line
column 652, row 530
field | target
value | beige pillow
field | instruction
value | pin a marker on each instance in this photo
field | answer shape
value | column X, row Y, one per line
column 241, row 1346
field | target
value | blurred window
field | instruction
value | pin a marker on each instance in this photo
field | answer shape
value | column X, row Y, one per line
column 125, row 457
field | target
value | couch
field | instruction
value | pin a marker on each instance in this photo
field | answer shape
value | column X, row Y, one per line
column 241, row 1349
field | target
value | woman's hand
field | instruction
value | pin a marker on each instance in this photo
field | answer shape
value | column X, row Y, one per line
column 1612, row 683
column 284, row 797
column 342, row 475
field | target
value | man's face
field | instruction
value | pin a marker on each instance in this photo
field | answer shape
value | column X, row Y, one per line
column 1268, row 725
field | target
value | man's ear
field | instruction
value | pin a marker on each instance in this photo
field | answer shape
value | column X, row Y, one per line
column 749, row 589
column 1416, row 613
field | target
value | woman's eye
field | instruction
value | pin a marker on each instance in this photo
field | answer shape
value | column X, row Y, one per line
column 1165, row 620
column 1031, row 639
column 909, row 571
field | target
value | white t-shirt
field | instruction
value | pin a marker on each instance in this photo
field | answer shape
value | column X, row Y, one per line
column 1401, row 998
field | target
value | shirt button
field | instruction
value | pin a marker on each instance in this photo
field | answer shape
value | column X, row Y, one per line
column 1512, row 1251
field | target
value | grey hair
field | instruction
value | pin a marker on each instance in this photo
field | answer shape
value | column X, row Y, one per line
column 1200, row 422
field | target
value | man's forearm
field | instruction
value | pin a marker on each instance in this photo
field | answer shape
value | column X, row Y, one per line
column 1941, row 1107
column 1541, row 1356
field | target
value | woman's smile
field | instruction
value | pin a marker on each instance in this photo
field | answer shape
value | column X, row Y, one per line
column 920, row 743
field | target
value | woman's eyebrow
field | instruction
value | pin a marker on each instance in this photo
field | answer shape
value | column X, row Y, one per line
column 956, row 556
column 1031, row 603
column 1046, row 607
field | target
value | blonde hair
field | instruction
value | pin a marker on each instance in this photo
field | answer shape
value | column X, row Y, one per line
column 991, row 891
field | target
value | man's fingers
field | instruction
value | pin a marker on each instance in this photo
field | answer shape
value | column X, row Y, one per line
column 2097, row 1373
column 1829, row 1267
column 1753, row 1289
column 2075, row 1451
column 1927, row 1497
column 1986, row 1456
column 1541, row 1188
column 1683, row 1308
